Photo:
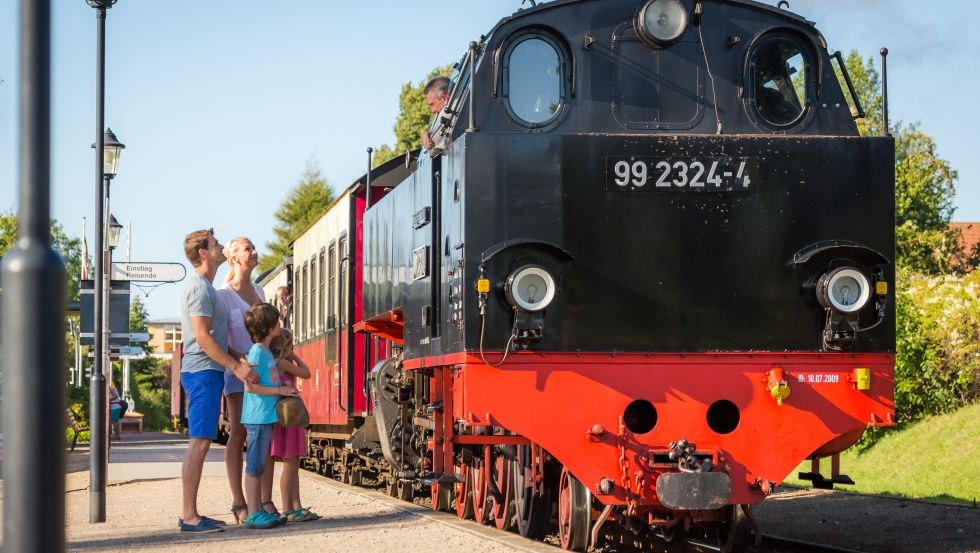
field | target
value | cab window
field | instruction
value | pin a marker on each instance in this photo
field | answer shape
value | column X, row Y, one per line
column 533, row 80
column 780, row 80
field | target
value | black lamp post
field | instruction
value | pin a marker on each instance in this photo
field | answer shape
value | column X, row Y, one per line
column 98, row 407
column 106, row 241
column 33, row 317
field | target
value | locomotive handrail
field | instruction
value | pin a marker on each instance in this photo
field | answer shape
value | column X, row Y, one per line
column 850, row 86
column 501, row 246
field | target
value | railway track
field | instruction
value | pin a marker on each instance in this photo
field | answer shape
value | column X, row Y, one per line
column 630, row 544
column 776, row 544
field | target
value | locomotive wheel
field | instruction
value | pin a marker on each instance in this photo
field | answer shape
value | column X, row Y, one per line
column 532, row 510
column 502, row 474
column 442, row 497
column 479, row 479
column 735, row 533
column 574, row 513
column 463, row 492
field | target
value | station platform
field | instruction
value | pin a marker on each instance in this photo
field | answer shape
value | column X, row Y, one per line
column 143, row 501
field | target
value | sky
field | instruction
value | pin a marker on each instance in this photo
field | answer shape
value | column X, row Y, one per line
column 222, row 103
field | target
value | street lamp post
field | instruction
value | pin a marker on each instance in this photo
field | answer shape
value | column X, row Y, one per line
column 113, row 230
column 98, row 409
column 108, row 151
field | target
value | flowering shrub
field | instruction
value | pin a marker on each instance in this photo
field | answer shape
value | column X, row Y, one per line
column 937, row 367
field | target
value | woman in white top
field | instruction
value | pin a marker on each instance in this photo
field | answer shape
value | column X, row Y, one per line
column 239, row 293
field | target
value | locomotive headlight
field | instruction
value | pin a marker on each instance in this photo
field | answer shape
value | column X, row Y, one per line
column 845, row 289
column 661, row 21
column 530, row 288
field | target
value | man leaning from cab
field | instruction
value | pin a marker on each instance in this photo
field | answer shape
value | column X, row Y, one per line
column 437, row 96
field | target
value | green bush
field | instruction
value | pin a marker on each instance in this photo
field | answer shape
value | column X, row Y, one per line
column 937, row 342
column 151, row 392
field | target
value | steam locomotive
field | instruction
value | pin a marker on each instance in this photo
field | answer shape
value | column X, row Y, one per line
column 645, row 272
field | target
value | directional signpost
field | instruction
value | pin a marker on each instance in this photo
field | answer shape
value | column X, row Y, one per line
column 123, row 352
column 148, row 271
column 139, row 337
column 131, row 352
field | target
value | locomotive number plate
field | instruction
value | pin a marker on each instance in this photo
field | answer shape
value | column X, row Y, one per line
column 682, row 174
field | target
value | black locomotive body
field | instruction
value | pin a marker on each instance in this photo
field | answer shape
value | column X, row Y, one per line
column 648, row 238
column 677, row 263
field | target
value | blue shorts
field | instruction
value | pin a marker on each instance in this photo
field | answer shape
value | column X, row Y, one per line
column 203, row 389
column 259, row 441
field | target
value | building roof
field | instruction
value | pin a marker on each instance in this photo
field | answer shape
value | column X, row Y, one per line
column 970, row 234
column 164, row 321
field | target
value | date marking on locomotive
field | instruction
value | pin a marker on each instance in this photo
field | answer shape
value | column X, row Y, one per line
column 818, row 378
column 721, row 174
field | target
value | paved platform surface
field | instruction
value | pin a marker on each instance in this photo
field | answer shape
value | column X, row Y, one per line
column 143, row 500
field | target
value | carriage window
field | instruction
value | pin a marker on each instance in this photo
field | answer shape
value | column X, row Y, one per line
column 323, row 291
column 534, row 80
column 779, row 77
column 331, row 286
column 315, row 325
column 306, row 301
column 298, row 304
column 342, row 301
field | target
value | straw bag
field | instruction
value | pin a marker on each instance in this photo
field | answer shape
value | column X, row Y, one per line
column 291, row 412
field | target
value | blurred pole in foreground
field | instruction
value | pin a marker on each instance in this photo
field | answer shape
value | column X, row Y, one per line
column 32, row 323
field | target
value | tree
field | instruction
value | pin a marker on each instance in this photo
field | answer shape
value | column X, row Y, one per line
column 382, row 154
column 70, row 251
column 303, row 205
column 67, row 247
column 150, row 377
column 925, row 184
column 413, row 118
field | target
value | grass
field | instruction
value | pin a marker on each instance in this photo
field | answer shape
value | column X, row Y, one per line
column 936, row 459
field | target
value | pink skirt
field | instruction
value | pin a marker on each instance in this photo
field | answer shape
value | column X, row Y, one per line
column 288, row 442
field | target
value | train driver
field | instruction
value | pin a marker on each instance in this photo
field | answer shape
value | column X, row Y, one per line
column 437, row 96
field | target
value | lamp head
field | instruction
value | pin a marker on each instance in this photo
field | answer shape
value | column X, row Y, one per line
column 115, row 229
column 111, row 151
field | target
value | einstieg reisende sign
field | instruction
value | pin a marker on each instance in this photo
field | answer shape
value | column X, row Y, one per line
column 148, row 272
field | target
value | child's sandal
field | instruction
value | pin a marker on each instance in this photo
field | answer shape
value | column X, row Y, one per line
column 311, row 513
column 301, row 515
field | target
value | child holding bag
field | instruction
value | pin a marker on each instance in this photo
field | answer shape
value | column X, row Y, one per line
column 259, row 410
column 289, row 444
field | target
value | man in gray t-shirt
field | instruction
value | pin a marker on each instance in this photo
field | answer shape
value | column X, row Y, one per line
column 201, row 300
column 202, row 369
